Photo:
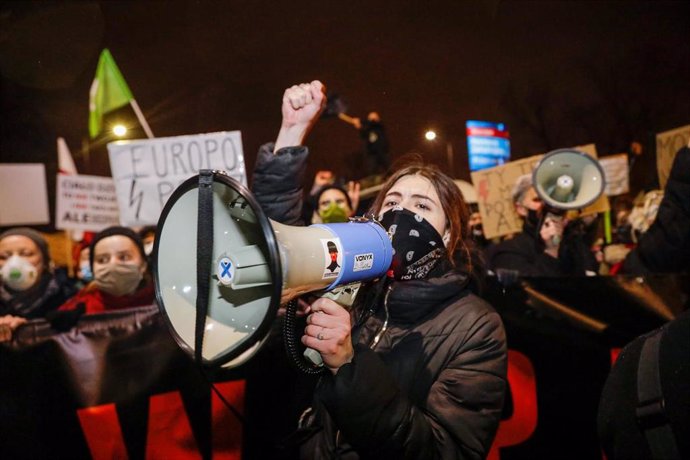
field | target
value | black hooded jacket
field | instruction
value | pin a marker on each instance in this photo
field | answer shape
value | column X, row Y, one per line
column 429, row 371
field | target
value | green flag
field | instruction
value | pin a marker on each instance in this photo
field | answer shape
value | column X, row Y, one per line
column 109, row 91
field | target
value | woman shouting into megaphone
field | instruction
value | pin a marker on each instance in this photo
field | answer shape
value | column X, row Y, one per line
column 417, row 368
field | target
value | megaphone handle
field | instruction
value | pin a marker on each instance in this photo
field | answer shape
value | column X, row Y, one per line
column 304, row 362
column 313, row 356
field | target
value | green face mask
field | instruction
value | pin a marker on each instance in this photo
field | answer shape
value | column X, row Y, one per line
column 332, row 214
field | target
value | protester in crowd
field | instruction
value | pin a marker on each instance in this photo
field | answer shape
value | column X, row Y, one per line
column 83, row 273
column 418, row 368
column 30, row 286
column 333, row 205
column 477, row 229
column 121, row 278
column 375, row 140
column 546, row 246
column 644, row 410
column 329, row 200
column 148, row 236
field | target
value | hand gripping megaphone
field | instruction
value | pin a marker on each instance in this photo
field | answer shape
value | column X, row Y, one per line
column 565, row 180
column 568, row 179
column 222, row 268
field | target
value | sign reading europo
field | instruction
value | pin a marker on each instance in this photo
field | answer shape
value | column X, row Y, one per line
column 488, row 144
column 147, row 171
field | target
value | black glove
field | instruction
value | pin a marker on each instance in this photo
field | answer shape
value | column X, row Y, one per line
column 63, row 321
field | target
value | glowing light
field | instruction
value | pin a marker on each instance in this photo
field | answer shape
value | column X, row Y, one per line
column 119, row 130
column 430, row 135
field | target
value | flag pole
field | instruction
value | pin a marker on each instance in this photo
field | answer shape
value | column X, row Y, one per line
column 140, row 117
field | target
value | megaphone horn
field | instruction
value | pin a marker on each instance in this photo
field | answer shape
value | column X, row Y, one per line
column 568, row 179
column 222, row 268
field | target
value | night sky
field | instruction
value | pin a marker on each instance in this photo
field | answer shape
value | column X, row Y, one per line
column 557, row 73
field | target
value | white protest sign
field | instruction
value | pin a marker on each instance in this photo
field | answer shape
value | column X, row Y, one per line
column 667, row 145
column 147, row 171
column 616, row 173
column 23, row 194
column 87, row 203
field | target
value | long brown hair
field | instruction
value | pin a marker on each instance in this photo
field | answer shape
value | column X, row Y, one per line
column 453, row 204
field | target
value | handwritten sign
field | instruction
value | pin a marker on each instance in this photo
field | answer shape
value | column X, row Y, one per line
column 87, row 203
column 23, row 194
column 616, row 172
column 667, row 145
column 147, row 171
column 494, row 188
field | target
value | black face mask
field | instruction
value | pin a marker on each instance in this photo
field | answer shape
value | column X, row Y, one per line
column 417, row 245
column 477, row 231
column 532, row 217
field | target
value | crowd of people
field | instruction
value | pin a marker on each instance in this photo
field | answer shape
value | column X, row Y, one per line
column 418, row 367
column 113, row 273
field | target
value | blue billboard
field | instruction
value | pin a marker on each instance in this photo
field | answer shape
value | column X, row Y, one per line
column 488, row 144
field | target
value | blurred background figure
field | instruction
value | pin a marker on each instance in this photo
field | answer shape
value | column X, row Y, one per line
column 329, row 202
column 546, row 246
column 375, row 140
column 332, row 205
column 82, row 272
column 120, row 270
column 29, row 285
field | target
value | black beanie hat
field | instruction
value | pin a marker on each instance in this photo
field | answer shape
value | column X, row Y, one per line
column 112, row 231
column 34, row 236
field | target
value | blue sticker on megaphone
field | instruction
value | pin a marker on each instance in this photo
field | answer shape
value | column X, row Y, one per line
column 225, row 271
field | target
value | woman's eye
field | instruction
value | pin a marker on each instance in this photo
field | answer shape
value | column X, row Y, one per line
column 422, row 206
column 390, row 203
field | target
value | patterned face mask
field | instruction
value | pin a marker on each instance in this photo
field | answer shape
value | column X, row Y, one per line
column 417, row 246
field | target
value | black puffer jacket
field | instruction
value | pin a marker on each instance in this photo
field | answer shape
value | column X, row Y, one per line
column 429, row 372
column 431, row 387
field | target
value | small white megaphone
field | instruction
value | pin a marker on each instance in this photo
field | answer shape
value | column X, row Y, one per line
column 568, row 179
column 222, row 268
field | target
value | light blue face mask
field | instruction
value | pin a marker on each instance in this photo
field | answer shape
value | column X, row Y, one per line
column 85, row 273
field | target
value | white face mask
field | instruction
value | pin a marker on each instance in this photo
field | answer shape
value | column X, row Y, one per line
column 118, row 279
column 18, row 273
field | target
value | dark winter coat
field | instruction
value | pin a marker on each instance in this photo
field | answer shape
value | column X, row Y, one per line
column 665, row 246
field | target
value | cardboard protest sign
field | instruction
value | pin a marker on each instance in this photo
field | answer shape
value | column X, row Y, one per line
column 616, row 171
column 23, row 194
column 147, row 171
column 494, row 188
column 87, row 203
column 667, row 145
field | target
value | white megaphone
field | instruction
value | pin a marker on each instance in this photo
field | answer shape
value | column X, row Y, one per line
column 568, row 179
column 222, row 268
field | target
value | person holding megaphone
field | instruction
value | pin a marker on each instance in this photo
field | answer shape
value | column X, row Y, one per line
column 417, row 368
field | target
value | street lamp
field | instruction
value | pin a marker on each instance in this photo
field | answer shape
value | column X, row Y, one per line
column 119, row 130
column 430, row 135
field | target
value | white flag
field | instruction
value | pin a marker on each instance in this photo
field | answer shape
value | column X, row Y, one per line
column 65, row 161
